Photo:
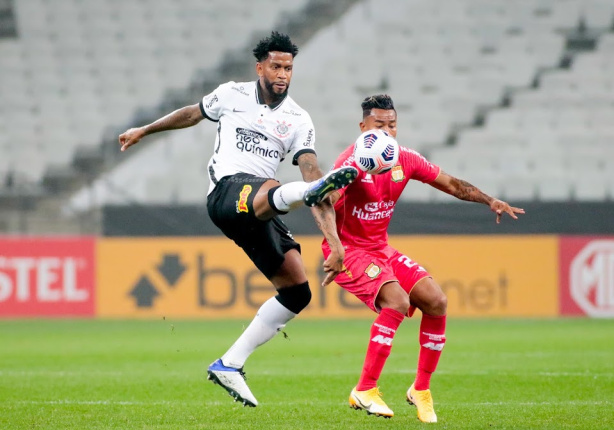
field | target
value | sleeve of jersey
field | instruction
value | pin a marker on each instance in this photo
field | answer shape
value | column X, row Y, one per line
column 304, row 141
column 421, row 169
column 211, row 104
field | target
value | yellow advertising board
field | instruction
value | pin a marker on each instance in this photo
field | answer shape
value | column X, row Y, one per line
column 490, row 276
column 210, row 277
column 205, row 277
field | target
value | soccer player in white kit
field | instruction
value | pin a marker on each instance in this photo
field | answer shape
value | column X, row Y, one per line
column 258, row 126
column 387, row 281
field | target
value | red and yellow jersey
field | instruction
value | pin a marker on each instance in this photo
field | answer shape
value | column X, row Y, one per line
column 367, row 204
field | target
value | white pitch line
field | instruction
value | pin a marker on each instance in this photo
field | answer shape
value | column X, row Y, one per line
column 60, row 373
column 561, row 403
column 277, row 372
column 287, row 403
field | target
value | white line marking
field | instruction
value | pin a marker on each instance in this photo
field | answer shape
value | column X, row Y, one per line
column 499, row 372
column 286, row 403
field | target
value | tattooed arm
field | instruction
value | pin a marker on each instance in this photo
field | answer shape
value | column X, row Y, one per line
column 463, row 190
column 181, row 118
column 324, row 215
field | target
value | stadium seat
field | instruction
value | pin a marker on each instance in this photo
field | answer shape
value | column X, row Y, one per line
column 446, row 65
column 554, row 187
column 517, row 187
column 590, row 187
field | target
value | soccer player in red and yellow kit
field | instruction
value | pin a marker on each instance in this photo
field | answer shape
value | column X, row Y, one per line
column 386, row 280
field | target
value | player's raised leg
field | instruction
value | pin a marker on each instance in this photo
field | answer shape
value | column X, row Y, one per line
column 273, row 199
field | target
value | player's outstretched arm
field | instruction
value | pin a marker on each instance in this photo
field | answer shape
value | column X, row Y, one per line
column 324, row 215
column 181, row 118
column 463, row 190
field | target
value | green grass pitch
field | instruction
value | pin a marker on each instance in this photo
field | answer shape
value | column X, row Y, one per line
column 493, row 374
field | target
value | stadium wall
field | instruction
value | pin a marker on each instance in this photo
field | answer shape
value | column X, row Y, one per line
column 561, row 218
column 209, row 277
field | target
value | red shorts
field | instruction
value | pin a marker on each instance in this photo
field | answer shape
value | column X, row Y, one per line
column 366, row 272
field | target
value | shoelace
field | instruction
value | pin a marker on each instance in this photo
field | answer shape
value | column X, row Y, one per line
column 378, row 395
column 242, row 373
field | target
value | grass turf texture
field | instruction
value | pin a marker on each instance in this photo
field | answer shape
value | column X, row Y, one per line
column 494, row 374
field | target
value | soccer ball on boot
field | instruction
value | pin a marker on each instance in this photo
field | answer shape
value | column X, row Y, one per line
column 375, row 151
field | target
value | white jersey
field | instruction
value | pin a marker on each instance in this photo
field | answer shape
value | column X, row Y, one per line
column 253, row 137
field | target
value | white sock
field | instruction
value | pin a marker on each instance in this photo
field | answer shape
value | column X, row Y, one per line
column 270, row 319
column 290, row 196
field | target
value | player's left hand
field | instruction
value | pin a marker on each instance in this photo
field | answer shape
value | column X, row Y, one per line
column 332, row 267
column 500, row 207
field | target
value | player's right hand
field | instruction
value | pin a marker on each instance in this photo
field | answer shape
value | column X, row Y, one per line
column 333, row 266
column 130, row 137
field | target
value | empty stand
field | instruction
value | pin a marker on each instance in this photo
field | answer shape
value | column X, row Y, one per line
column 79, row 67
column 484, row 75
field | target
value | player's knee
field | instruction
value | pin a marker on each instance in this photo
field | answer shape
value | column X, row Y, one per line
column 401, row 307
column 404, row 305
column 295, row 298
column 392, row 296
column 400, row 304
column 439, row 305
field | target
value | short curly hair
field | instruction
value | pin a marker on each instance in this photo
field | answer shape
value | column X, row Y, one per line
column 379, row 101
column 275, row 42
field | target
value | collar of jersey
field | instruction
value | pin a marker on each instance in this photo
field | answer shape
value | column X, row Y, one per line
column 261, row 100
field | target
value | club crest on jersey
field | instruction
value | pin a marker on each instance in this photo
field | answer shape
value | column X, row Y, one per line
column 242, row 202
column 373, row 270
column 397, row 174
column 282, row 129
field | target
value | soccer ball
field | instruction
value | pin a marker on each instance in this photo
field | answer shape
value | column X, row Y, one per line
column 375, row 151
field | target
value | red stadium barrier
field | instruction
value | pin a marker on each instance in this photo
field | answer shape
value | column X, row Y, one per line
column 47, row 277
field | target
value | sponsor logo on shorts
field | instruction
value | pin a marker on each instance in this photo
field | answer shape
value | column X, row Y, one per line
column 242, row 202
column 397, row 174
column 373, row 270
